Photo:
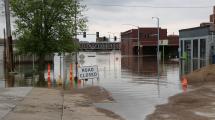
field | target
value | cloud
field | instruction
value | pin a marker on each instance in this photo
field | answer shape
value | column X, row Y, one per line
column 105, row 18
column 110, row 18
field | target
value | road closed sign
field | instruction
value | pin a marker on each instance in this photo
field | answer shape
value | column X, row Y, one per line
column 88, row 72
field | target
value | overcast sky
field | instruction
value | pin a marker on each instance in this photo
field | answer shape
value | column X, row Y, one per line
column 109, row 15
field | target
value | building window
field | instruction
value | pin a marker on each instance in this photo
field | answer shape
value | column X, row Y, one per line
column 187, row 48
column 195, row 64
column 187, row 55
column 181, row 46
column 195, row 48
column 146, row 36
column 202, row 48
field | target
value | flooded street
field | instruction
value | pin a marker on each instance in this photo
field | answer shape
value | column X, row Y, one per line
column 132, row 80
column 134, row 84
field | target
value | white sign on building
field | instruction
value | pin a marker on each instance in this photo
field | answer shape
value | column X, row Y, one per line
column 163, row 42
column 88, row 72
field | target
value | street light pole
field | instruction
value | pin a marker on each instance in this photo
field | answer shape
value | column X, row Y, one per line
column 158, row 38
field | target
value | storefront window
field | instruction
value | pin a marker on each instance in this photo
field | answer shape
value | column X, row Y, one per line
column 181, row 46
column 202, row 48
column 195, row 49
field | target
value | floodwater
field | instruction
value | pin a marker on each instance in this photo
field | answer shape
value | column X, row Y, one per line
column 1, row 68
column 134, row 84
column 132, row 80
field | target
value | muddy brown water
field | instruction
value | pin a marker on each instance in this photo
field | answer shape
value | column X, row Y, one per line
column 132, row 80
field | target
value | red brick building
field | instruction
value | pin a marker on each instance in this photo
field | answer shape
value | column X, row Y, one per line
column 148, row 42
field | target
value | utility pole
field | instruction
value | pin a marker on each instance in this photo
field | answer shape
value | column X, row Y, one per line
column 76, row 54
column 212, row 37
column 9, row 42
column 4, row 49
column 212, row 18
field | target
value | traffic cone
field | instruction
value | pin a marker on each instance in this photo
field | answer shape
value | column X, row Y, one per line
column 184, row 84
column 184, row 81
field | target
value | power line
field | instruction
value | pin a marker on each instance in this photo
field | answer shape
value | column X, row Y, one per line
column 151, row 6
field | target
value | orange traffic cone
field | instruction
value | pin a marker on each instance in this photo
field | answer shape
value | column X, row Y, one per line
column 184, row 83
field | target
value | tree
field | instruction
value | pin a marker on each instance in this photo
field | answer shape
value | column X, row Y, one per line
column 44, row 27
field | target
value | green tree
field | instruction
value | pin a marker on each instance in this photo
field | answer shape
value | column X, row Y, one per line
column 44, row 27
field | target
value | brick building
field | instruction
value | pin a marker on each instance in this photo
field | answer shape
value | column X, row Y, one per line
column 148, row 42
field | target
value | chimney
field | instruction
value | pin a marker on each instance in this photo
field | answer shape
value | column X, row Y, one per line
column 212, row 17
column 214, row 10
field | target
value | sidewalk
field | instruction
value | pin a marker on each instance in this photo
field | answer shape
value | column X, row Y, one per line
column 50, row 104
column 10, row 97
column 197, row 104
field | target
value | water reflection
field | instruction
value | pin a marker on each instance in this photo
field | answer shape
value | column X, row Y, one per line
column 57, row 73
column 3, row 72
column 1, row 64
column 144, row 65
column 189, row 65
